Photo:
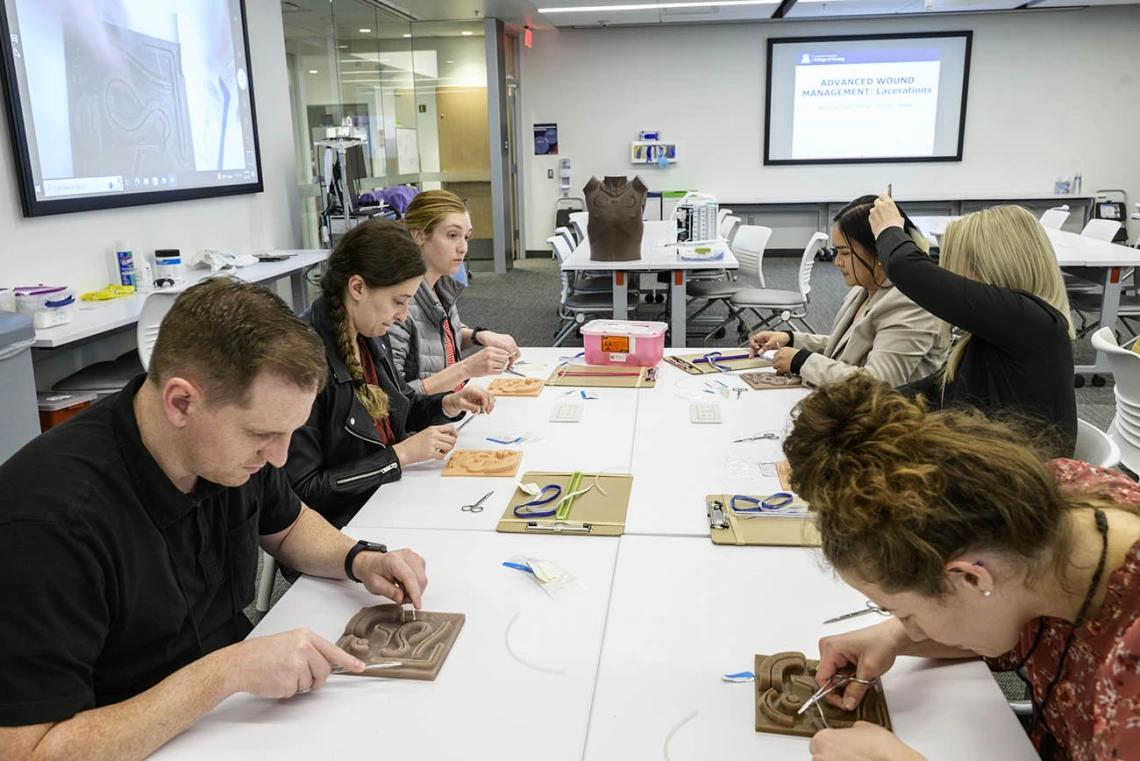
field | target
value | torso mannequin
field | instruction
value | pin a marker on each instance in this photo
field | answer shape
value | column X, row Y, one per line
column 616, row 205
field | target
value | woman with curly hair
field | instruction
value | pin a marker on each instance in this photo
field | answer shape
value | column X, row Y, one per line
column 977, row 546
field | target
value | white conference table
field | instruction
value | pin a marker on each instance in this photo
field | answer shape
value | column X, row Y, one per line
column 659, row 253
column 677, row 462
column 683, row 612
column 484, row 703
column 642, row 644
column 94, row 318
column 601, row 440
column 1073, row 250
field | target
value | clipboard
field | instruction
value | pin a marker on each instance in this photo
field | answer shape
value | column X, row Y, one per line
column 592, row 514
column 686, row 362
column 603, row 376
column 726, row 528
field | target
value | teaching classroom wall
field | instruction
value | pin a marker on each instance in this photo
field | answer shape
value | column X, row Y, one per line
column 1050, row 93
column 75, row 249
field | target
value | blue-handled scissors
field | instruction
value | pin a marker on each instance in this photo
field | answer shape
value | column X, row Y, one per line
column 772, row 502
column 524, row 511
column 712, row 358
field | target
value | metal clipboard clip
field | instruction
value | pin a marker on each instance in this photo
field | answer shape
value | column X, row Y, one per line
column 560, row 527
column 717, row 519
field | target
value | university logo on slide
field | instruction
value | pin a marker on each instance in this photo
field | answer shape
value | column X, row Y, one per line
column 806, row 58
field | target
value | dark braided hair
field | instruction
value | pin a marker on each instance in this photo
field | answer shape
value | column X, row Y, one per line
column 383, row 254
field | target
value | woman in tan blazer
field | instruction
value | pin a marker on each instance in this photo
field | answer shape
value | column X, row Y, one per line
column 877, row 330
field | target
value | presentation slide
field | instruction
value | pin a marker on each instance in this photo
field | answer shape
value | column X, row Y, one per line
column 131, row 98
column 866, row 99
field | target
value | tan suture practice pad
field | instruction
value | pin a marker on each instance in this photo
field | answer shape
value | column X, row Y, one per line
column 686, row 362
column 770, row 381
column 785, row 681
column 388, row 633
column 765, row 530
column 592, row 513
column 784, row 471
column 603, row 376
column 492, row 463
column 517, row 386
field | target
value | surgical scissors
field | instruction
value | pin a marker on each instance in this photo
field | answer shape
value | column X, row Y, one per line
column 769, row 435
column 478, row 506
column 871, row 608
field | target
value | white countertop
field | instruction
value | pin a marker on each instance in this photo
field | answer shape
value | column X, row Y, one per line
column 93, row 318
column 729, row 201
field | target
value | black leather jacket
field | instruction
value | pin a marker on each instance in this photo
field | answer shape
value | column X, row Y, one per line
column 336, row 460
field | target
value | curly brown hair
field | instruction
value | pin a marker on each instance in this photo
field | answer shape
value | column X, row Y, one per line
column 898, row 491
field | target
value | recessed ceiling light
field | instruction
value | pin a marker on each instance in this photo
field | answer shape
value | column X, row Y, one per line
column 343, row 47
column 658, row 6
column 467, row 34
column 409, row 34
column 366, row 31
column 313, row 71
column 450, row 61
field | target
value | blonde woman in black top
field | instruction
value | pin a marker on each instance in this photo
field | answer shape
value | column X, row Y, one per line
column 1001, row 287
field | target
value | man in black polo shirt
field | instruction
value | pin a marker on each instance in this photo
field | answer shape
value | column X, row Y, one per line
column 129, row 536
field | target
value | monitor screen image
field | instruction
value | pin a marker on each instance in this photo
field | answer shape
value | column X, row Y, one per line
column 124, row 102
column 870, row 98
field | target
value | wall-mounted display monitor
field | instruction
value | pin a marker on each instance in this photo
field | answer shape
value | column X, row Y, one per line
column 866, row 98
column 125, row 102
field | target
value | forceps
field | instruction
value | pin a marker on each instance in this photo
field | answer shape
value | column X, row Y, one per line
column 770, row 435
column 478, row 506
column 834, row 682
column 871, row 608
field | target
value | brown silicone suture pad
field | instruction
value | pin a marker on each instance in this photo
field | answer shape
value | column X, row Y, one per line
column 493, row 463
column 381, row 633
column 770, row 381
column 687, row 363
column 517, row 386
column 785, row 681
column 603, row 376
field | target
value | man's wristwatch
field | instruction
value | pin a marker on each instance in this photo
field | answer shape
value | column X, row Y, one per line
column 359, row 547
column 474, row 333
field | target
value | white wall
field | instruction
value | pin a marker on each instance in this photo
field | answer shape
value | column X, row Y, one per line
column 75, row 249
column 1051, row 92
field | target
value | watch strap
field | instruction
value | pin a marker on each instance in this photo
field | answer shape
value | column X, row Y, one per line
column 359, row 547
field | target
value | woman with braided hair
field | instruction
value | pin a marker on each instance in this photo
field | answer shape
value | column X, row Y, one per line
column 978, row 546
column 367, row 425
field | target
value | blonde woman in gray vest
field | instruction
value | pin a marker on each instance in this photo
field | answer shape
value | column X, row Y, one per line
column 428, row 346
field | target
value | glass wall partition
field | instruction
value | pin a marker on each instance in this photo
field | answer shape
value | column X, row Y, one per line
column 411, row 99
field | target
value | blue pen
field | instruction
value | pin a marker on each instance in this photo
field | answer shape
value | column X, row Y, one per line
column 519, row 567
